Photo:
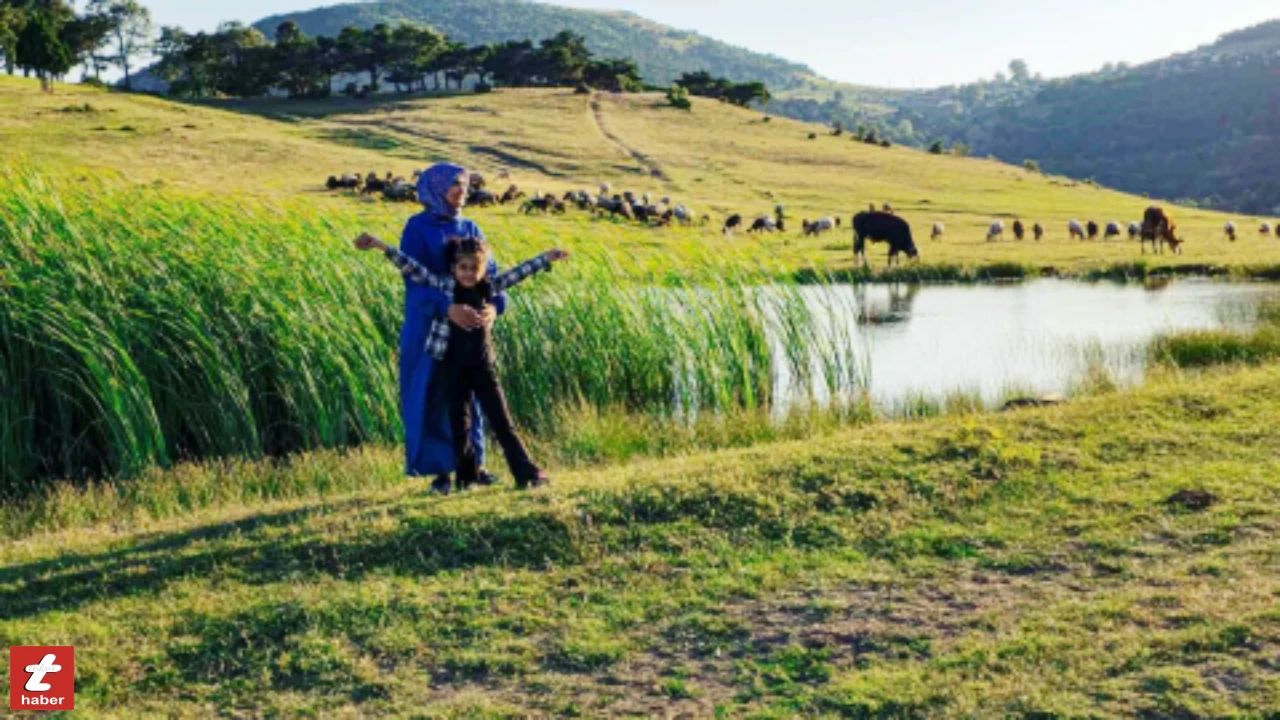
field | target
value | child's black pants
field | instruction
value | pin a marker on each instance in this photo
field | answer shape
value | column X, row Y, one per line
column 480, row 380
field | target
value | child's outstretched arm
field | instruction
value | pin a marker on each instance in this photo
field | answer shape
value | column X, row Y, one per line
column 527, row 269
column 409, row 267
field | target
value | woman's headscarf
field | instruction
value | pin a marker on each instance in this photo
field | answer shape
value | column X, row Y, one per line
column 433, row 186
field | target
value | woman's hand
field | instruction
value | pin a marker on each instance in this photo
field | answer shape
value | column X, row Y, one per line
column 555, row 254
column 468, row 318
column 369, row 242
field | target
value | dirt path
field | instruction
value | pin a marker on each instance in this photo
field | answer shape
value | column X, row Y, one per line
column 646, row 163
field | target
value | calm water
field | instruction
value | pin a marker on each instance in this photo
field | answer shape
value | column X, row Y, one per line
column 1035, row 337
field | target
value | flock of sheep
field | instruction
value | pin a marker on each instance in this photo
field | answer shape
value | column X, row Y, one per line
column 1156, row 226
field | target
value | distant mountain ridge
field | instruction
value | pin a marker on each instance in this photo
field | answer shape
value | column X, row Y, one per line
column 662, row 53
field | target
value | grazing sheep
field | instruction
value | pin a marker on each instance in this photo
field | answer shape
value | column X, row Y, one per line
column 373, row 184
column 1037, row 230
column 346, row 182
column 996, row 231
column 1135, row 229
column 938, row 231
column 401, row 192
column 1076, row 229
column 887, row 208
column 732, row 223
column 542, row 203
column 479, row 197
column 1230, row 230
column 819, row 226
column 1265, row 229
column 1113, row 230
column 1093, row 228
column 1019, row 230
column 683, row 214
column 511, row 194
column 763, row 223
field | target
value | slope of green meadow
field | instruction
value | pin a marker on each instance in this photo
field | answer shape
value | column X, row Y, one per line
column 180, row 306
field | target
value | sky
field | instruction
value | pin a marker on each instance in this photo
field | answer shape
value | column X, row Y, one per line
column 914, row 44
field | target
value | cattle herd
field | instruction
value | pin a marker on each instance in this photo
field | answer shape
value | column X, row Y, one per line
column 873, row 225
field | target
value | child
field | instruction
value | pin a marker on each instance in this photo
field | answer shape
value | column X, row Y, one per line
column 468, row 354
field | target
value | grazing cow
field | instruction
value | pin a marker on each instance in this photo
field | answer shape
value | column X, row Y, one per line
column 882, row 227
column 938, row 231
column 1159, row 229
column 732, row 223
column 1265, row 229
column 1019, row 230
column 996, row 231
column 1113, row 230
column 1076, row 229
column 819, row 226
column 1135, row 229
column 1093, row 230
column 1037, row 230
column 1230, row 230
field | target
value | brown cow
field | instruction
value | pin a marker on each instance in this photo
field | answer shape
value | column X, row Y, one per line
column 1158, row 228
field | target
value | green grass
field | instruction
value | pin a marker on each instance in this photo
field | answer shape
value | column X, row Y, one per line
column 1022, row 565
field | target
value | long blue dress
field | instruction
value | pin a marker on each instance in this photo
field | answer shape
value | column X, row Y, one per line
column 425, row 413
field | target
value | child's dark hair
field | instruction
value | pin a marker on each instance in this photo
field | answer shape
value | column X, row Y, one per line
column 466, row 247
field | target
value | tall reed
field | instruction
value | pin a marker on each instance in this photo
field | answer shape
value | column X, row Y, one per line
column 142, row 327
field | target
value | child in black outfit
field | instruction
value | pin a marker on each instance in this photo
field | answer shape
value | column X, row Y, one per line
column 468, row 355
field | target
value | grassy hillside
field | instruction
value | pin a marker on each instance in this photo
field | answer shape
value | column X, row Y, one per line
column 662, row 53
column 718, row 159
column 1025, row 565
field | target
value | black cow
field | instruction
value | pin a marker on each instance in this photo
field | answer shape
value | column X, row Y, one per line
column 882, row 227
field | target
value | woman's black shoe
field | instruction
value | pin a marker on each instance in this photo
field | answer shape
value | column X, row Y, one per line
column 442, row 485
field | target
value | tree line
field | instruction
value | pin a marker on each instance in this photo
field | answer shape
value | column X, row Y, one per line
column 241, row 61
column 48, row 38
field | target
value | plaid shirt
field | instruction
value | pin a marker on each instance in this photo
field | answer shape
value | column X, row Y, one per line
column 438, row 336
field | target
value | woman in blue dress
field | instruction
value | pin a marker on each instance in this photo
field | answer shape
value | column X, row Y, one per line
column 442, row 190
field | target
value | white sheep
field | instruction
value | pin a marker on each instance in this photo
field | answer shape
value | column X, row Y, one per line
column 819, row 226
column 1076, row 229
column 1113, row 230
column 1265, row 229
column 938, row 231
column 996, row 231
column 1230, row 230
column 1135, row 229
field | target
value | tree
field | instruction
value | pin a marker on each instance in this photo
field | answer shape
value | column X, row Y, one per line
column 1018, row 71
column 1031, row 166
column 296, row 65
column 130, row 31
column 615, row 75
column 936, row 148
column 11, row 21
column 41, row 49
column 678, row 96
column 562, row 59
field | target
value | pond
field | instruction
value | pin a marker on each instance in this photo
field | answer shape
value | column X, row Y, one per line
column 994, row 341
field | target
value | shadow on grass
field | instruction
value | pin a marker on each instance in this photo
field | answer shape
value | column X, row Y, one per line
column 253, row 550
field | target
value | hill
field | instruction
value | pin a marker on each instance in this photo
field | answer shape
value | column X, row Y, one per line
column 1199, row 127
column 662, row 53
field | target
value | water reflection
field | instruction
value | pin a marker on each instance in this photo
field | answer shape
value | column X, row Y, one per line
column 990, row 341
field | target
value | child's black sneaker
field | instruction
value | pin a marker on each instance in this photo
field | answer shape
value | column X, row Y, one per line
column 442, row 485
column 486, row 479
column 536, row 481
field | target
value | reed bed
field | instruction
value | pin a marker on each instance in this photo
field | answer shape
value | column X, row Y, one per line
column 142, row 327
